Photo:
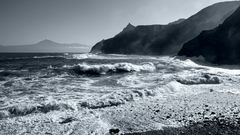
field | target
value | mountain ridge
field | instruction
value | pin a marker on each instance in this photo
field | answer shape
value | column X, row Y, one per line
column 166, row 39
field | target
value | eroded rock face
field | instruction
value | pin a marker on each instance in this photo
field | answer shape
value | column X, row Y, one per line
column 165, row 39
column 220, row 45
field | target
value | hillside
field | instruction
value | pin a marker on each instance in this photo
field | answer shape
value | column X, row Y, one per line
column 165, row 39
column 220, row 45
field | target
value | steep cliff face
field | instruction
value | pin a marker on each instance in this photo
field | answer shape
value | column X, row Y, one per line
column 166, row 39
column 220, row 45
column 135, row 41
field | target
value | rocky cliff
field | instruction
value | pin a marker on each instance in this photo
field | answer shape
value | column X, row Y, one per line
column 220, row 45
column 166, row 39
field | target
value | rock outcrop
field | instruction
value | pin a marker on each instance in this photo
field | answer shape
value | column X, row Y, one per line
column 220, row 45
column 166, row 39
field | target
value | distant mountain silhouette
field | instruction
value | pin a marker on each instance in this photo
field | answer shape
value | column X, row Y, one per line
column 220, row 45
column 166, row 39
column 45, row 46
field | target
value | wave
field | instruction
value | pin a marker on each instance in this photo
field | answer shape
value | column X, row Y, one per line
column 86, row 56
column 10, row 74
column 109, row 56
column 202, row 79
column 32, row 57
column 17, row 58
column 85, row 69
column 26, row 109
column 98, row 56
column 47, row 57
column 117, row 98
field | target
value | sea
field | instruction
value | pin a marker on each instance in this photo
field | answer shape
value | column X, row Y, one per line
column 85, row 93
column 44, row 82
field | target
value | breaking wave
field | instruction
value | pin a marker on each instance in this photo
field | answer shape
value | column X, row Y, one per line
column 22, row 110
column 85, row 69
column 101, row 56
column 203, row 79
column 117, row 98
column 87, row 56
column 109, row 56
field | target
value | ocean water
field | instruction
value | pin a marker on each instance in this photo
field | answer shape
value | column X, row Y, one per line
column 40, row 83
column 68, row 93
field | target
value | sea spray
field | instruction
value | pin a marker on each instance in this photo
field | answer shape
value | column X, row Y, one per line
column 102, row 69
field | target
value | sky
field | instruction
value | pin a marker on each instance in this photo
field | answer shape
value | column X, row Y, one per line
column 85, row 21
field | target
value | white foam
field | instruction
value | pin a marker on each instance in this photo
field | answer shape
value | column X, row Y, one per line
column 228, row 69
column 91, row 56
column 113, row 68
column 117, row 98
column 110, row 56
column 82, row 56
column 21, row 109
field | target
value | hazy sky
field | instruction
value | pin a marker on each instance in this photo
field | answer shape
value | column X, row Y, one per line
column 85, row 21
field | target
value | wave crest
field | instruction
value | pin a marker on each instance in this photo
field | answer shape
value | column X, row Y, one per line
column 25, row 109
column 117, row 98
column 102, row 69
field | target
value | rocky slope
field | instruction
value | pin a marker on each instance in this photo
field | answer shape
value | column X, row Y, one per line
column 220, row 45
column 165, row 39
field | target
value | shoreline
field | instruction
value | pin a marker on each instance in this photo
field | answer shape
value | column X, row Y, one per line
column 205, row 113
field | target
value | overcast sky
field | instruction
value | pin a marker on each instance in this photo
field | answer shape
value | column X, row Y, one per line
column 85, row 21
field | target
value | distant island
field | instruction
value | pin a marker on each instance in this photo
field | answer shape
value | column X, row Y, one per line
column 45, row 46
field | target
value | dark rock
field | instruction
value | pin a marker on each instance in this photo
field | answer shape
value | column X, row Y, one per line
column 205, row 127
column 165, row 39
column 220, row 45
column 28, row 79
column 114, row 131
column 67, row 120
column 168, row 117
column 213, row 113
